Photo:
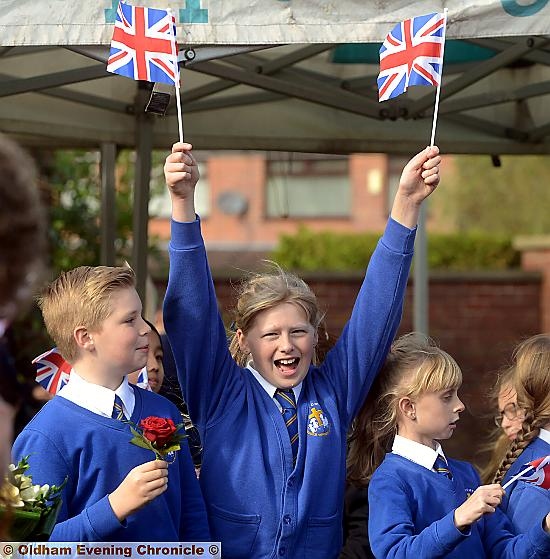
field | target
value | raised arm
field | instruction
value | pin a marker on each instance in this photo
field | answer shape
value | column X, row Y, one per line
column 182, row 173
column 352, row 364
column 419, row 179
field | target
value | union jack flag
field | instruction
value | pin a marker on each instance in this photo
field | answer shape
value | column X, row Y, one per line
column 144, row 45
column 143, row 380
column 411, row 55
column 52, row 371
column 538, row 472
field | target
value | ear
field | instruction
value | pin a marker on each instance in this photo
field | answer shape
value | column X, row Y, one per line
column 83, row 338
column 407, row 408
column 241, row 339
column 315, row 338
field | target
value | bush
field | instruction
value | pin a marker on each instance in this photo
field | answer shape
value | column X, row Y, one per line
column 308, row 251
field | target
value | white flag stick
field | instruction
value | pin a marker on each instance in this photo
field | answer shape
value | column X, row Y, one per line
column 517, row 476
column 177, row 81
column 436, row 108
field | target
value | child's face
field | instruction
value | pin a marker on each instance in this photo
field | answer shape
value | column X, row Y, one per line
column 435, row 416
column 511, row 416
column 121, row 344
column 281, row 342
column 155, row 368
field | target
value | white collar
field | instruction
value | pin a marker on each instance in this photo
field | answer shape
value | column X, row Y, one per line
column 268, row 387
column 96, row 398
column 416, row 452
column 544, row 434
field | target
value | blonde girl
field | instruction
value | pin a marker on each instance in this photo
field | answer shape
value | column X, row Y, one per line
column 422, row 504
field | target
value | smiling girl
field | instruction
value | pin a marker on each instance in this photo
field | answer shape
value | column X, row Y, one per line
column 273, row 423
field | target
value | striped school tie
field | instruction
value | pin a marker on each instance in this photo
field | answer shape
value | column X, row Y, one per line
column 441, row 466
column 288, row 404
column 118, row 410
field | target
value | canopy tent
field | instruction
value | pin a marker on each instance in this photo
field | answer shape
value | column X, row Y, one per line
column 293, row 75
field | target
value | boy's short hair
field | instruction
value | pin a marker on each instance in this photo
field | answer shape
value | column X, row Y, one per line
column 81, row 297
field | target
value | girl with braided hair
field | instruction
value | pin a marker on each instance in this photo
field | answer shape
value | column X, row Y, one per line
column 526, row 502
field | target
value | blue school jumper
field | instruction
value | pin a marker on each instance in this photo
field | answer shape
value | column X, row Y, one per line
column 259, row 505
column 411, row 514
column 94, row 452
column 526, row 503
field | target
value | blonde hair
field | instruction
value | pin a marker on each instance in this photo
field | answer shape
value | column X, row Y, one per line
column 81, row 297
column 531, row 380
column 262, row 292
column 499, row 443
column 414, row 366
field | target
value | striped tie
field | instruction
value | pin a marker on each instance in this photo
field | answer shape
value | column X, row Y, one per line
column 288, row 404
column 441, row 466
column 118, row 410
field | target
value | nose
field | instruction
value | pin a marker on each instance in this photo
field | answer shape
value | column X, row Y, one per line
column 152, row 363
column 460, row 407
column 286, row 344
column 145, row 328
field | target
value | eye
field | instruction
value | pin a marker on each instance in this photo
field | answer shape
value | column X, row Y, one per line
column 270, row 335
column 299, row 332
column 130, row 320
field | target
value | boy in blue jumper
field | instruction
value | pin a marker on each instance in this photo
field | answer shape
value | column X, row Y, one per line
column 273, row 422
column 114, row 491
column 420, row 503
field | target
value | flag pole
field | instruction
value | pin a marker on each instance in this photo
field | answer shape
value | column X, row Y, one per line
column 436, row 108
column 177, row 78
column 517, row 476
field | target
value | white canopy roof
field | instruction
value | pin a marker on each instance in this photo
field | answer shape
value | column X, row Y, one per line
column 274, row 74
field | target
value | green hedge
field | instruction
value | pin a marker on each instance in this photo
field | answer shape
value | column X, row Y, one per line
column 327, row 251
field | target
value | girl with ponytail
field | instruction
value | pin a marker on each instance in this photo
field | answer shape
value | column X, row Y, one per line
column 526, row 502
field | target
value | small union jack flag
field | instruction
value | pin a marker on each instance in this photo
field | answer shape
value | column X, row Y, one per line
column 52, row 371
column 143, row 380
column 144, row 45
column 411, row 55
column 537, row 472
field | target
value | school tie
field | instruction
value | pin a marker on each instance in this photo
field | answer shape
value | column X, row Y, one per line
column 118, row 410
column 441, row 466
column 288, row 404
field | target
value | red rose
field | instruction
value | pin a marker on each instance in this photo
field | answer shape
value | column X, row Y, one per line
column 158, row 430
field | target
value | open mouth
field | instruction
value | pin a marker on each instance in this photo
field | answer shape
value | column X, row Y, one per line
column 287, row 365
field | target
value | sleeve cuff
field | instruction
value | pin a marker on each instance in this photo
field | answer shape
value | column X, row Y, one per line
column 398, row 238
column 185, row 236
column 447, row 534
column 539, row 538
column 102, row 519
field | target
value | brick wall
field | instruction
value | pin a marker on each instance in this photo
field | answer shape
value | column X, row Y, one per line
column 477, row 318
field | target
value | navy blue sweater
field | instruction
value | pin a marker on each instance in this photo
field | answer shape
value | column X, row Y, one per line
column 411, row 514
column 526, row 503
column 64, row 439
column 258, row 505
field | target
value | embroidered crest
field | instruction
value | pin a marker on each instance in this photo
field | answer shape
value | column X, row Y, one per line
column 469, row 492
column 317, row 421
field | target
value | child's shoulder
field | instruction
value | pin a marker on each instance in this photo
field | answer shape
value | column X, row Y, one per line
column 155, row 404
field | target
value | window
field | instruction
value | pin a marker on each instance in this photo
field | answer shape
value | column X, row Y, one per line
column 308, row 186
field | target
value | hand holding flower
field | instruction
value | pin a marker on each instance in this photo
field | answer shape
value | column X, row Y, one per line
column 142, row 484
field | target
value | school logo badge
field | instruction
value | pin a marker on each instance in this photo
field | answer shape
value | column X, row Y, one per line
column 317, row 421
column 469, row 492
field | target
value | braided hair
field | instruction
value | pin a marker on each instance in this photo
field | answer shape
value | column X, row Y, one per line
column 531, row 379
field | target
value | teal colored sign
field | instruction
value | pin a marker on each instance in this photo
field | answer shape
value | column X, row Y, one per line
column 193, row 13
column 515, row 9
